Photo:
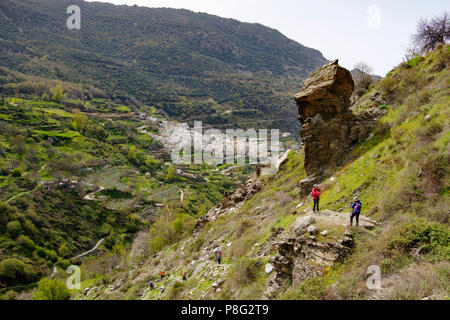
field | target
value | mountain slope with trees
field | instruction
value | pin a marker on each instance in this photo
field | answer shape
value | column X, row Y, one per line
column 190, row 65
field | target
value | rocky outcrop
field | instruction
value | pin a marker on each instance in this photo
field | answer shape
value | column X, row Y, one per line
column 303, row 257
column 329, row 128
column 326, row 93
column 304, row 251
column 232, row 201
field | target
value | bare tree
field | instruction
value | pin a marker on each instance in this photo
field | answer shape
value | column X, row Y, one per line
column 431, row 33
column 364, row 67
column 362, row 77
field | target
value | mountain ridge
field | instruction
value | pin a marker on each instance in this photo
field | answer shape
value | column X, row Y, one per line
column 173, row 59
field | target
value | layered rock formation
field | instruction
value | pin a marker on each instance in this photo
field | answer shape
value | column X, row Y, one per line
column 302, row 257
column 231, row 201
column 329, row 128
column 305, row 251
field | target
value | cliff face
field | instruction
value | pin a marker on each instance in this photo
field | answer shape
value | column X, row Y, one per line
column 329, row 128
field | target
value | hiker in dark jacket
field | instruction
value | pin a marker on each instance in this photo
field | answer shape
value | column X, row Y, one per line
column 316, row 197
column 185, row 276
column 356, row 210
column 219, row 256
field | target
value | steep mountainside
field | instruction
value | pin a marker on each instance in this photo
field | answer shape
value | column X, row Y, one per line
column 274, row 246
column 74, row 172
column 191, row 65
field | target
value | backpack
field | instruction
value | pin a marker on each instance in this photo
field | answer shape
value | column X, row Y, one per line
column 357, row 208
column 316, row 193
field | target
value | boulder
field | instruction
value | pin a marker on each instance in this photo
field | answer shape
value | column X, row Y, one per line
column 301, row 224
column 312, row 230
column 326, row 92
column 268, row 268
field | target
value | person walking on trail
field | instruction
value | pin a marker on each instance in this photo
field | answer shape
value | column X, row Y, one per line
column 152, row 285
column 161, row 274
column 356, row 210
column 316, row 197
column 219, row 257
column 185, row 276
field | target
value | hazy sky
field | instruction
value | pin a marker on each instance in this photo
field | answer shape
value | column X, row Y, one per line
column 374, row 31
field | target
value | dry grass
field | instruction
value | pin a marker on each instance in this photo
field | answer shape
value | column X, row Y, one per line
column 419, row 281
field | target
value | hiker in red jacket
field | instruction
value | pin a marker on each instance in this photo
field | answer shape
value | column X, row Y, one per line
column 316, row 197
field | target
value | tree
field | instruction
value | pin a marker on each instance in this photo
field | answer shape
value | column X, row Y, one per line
column 362, row 76
column 431, row 33
column 19, row 144
column 49, row 289
column 13, row 271
column 170, row 173
column 79, row 121
column 57, row 93
column 132, row 153
column 63, row 250
column 14, row 228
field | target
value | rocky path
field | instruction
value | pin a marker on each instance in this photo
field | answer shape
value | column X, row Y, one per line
column 343, row 218
column 91, row 196
column 90, row 251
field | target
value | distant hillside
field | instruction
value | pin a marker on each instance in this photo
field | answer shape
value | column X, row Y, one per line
column 191, row 65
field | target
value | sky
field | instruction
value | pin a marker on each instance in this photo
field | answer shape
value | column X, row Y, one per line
column 372, row 31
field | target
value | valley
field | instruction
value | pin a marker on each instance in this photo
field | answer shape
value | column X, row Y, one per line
column 91, row 121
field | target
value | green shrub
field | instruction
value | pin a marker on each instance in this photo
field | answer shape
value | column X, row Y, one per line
column 9, row 295
column 198, row 243
column 26, row 242
column 63, row 263
column 79, row 121
column 243, row 226
column 184, row 224
column 13, row 271
column 49, row 289
column 63, row 250
column 14, row 228
column 432, row 239
column 176, row 290
column 388, row 86
column 245, row 270
column 57, row 93
column 16, row 172
column 167, row 230
column 47, row 254
column 170, row 176
column 310, row 289
column 414, row 62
